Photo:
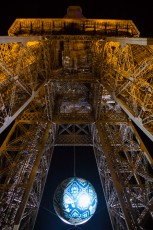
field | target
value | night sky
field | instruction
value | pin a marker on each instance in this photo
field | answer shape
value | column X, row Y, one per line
column 62, row 168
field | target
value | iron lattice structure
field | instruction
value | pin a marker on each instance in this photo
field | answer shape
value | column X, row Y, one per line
column 82, row 80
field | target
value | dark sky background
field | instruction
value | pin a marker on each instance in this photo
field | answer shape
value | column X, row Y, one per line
column 62, row 167
column 142, row 15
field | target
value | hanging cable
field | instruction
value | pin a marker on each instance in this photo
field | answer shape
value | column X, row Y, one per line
column 74, row 152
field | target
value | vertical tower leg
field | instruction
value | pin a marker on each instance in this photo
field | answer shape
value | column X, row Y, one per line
column 23, row 172
column 125, row 170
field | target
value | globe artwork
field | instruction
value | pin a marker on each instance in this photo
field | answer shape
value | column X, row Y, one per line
column 75, row 201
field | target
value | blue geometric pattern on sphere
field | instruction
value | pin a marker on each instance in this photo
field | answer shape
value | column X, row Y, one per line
column 75, row 201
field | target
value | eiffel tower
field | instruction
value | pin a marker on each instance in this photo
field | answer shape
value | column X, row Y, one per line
column 73, row 80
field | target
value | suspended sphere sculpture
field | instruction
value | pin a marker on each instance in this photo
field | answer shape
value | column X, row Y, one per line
column 75, row 201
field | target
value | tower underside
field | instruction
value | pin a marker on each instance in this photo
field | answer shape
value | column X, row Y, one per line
column 66, row 82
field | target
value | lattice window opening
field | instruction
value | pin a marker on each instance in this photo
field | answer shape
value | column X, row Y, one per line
column 73, row 97
column 76, row 56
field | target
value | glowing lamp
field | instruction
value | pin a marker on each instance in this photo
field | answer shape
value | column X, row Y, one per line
column 75, row 201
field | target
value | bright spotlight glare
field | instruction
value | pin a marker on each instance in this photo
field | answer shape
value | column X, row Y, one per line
column 84, row 201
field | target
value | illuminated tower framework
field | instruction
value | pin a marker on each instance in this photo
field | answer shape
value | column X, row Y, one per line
column 91, row 79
